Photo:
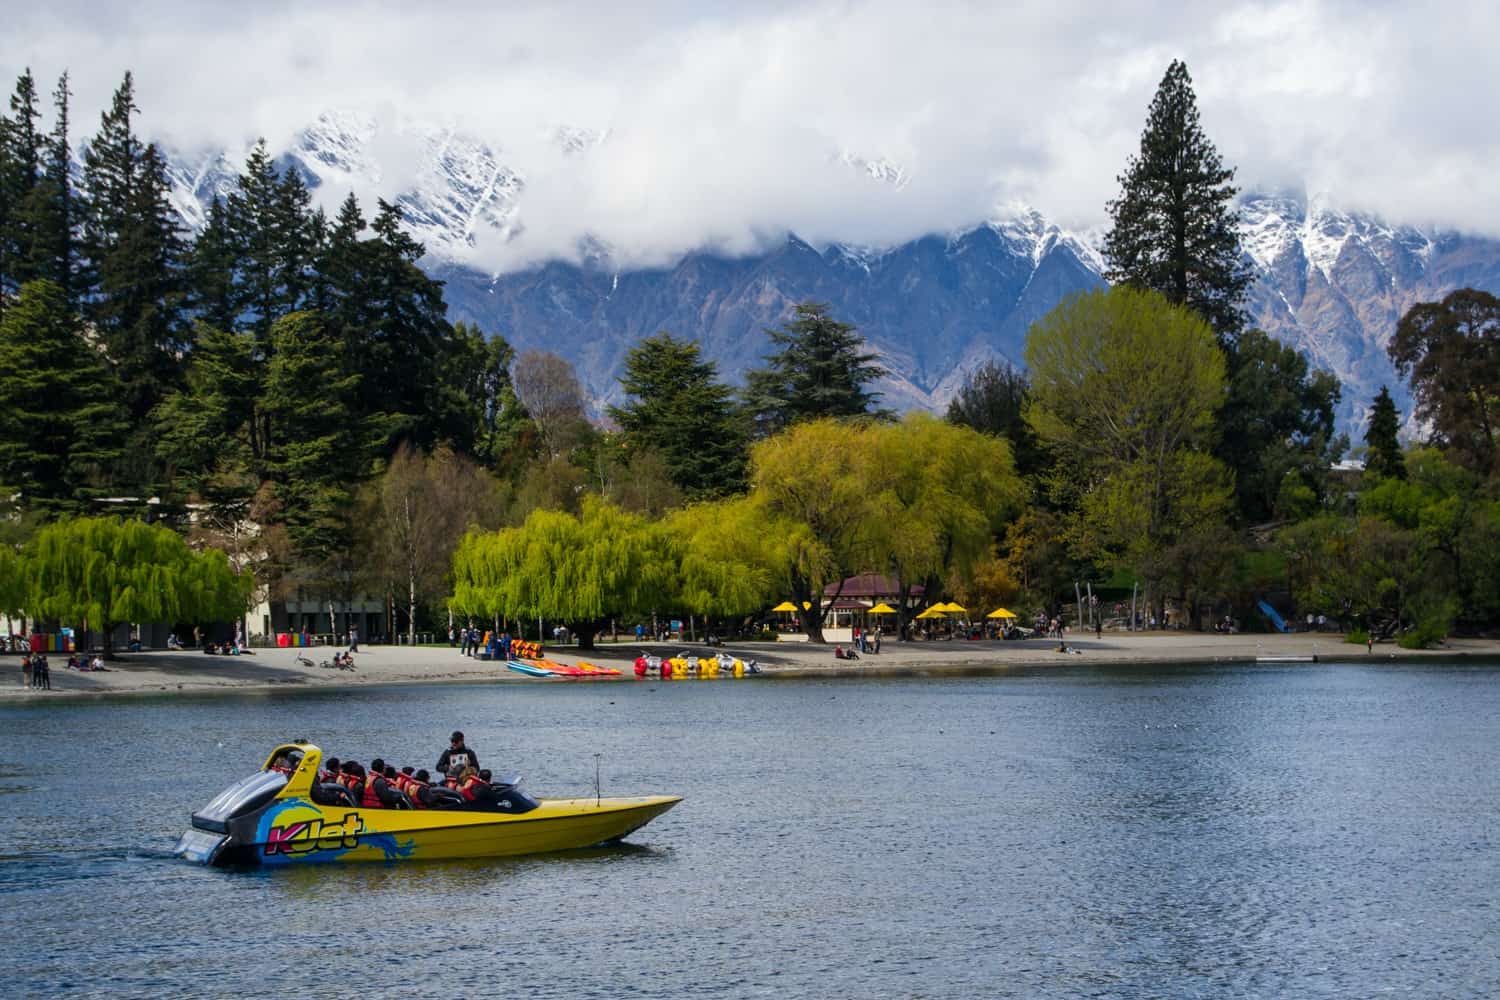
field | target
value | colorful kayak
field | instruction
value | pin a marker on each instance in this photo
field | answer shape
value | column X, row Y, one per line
column 529, row 669
column 271, row 818
column 595, row 670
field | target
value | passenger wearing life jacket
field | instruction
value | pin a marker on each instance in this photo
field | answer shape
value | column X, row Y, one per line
column 329, row 771
column 351, row 776
column 419, row 790
column 402, row 778
column 640, row 666
column 474, row 788
column 377, row 792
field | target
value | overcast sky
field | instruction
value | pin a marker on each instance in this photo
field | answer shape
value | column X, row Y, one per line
column 722, row 117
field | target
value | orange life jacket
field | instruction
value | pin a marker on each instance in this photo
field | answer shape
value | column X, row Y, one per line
column 401, row 779
column 414, row 790
column 469, row 786
column 369, row 800
column 349, row 781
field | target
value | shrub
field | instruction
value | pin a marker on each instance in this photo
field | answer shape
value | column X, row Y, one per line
column 1357, row 637
column 1422, row 635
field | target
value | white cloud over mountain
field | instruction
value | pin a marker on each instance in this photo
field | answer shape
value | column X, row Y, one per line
column 725, row 125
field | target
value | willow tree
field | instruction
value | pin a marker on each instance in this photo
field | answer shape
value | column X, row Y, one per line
column 12, row 587
column 943, row 492
column 104, row 572
column 816, row 476
column 732, row 557
column 578, row 569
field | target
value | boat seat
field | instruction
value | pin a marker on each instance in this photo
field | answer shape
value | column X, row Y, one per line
column 331, row 793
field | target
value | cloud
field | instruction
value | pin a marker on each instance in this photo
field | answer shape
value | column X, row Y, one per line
column 724, row 120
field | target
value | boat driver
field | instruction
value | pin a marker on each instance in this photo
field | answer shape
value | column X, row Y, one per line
column 457, row 757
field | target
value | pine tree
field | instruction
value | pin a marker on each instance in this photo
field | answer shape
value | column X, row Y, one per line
column 821, row 370
column 400, row 334
column 61, row 427
column 213, row 422
column 270, row 228
column 21, row 151
column 679, row 409
column 992, row 400
column 211, row 270
column 48, row 212
column 133, row 253
column 1384, row 458
column 318, row 448
column 1174, row 227
column 476, row 378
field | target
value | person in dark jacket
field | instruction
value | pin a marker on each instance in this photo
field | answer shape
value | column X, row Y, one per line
column 457, row 757
column 377, row 792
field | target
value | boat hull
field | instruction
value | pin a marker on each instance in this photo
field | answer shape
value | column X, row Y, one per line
column 267, row 820
column 298, row 831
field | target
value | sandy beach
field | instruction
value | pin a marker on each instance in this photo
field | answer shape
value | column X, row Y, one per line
column 193, row 672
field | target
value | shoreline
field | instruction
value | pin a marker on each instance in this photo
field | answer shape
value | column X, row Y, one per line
column 195, row 673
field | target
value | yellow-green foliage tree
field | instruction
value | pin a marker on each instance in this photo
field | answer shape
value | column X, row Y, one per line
column 920, row 500
column 940, row 493
column 816, row 476
column 105, row 572
column 578, row 569
column 1124, row 389
column 12, row 595
column 732, row 557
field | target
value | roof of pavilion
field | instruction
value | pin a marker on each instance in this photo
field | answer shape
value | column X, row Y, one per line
column 871, row 585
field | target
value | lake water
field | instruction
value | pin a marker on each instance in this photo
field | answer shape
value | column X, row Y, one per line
column 1204, row 831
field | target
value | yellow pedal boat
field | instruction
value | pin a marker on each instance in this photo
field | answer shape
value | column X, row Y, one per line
column 271, row 818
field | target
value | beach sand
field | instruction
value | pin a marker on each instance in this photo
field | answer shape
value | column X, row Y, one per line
column 193, row 672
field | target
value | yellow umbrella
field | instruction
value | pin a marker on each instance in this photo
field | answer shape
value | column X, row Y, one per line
column 936, row 611
column 1000, row 613
column 954, row 608
column 785, row 606
column 882, row 609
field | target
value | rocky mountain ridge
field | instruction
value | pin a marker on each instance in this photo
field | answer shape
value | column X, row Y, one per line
column 1333, row 283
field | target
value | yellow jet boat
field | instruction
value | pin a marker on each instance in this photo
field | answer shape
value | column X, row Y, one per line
column 281, row 815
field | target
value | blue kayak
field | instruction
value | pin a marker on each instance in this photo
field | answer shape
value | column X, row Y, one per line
column 526, row 668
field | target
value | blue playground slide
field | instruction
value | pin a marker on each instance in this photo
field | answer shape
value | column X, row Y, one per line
column 1270, row 613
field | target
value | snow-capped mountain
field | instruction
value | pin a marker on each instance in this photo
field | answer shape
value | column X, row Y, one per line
column 1337, row 283
column 1330, row 282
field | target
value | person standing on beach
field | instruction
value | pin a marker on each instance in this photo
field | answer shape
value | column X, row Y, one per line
column 353, row 638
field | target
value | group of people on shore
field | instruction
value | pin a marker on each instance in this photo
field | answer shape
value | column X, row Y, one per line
column 384, row 786
column 36, row 671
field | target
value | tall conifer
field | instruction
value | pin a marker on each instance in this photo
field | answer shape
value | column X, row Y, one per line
column 61, row 426
column 48, row 213
column 1174, row 226
column 21, row 151
column 820, row 370
column 1384, row 458
column 133, row 255
column 680, row 409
